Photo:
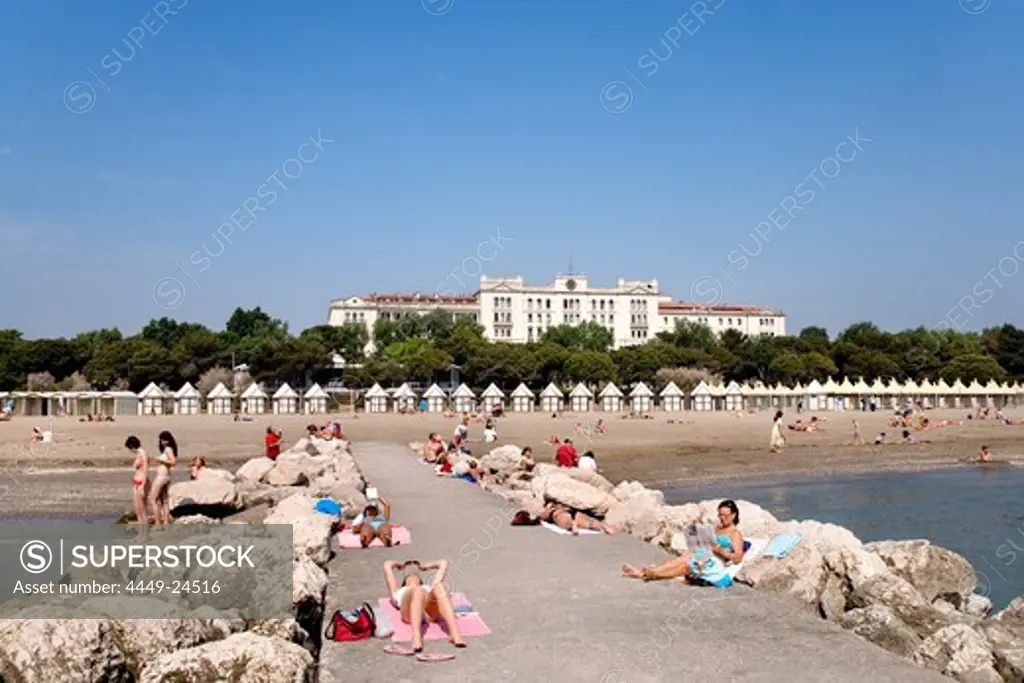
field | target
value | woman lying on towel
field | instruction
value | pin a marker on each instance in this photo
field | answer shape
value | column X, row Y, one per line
column 371, row 524
column 572, row 520
column 703, row 565
column 419, row 601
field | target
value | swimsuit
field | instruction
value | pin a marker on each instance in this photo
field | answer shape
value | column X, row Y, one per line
column 139, row 468
column 707, row 567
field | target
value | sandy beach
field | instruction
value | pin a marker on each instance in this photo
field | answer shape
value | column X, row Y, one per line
column 85, row 471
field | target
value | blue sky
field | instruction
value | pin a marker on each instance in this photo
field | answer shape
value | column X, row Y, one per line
column 633, row 136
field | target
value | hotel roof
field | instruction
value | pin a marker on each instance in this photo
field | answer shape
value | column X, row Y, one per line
column 679, row 307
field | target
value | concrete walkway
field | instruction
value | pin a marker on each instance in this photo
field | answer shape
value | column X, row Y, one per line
column 559, row 610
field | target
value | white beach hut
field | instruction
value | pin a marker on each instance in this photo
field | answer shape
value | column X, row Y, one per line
column 219, row 400
column 611, row 398
column 523, row 400
column 254, row 400
column 405, row 399
column 315, row 400
column 927, row 394
column 976, row 394
column 846, row 395
column 641, row 398
column 463, row 399
column 673, row 399
column 436, row 399
column 815, row 396
column 186, row 400
column 946, row 395
column 285, row 400
column 702, row 399
column 492, row 398
column 830, row 388
column 153, row 400
column 551, row 399
column 754, row 395
column 862, row 390
column 733, row 397
column 717, row 390
column 958, row 390
column 580, row 398
column 993, row 394
column 777, row 395
column 376, row 399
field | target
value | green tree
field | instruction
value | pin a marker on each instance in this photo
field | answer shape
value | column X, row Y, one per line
column 970, row 367
column 590, row 367
column 587, row 336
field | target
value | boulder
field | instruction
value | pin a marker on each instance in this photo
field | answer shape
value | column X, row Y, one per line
column 288, row 472
column 906, row 602
column 215, row 472
column 309, row 585
column 879, row 625
column 639, row 516
column 832, row 603
column 270, row 495
column 288, row 630
column 351, row 499
column 1007, row 645
column 627, row 489
column 935, row 572
column 254, row 470
column 799, row 576
column 250, row 515
column 65, row 650
column 854, row 566
column 567, row 491
column 960, row 652
column 826, row 536
column 311, row 530
column 977, row 606
column 242, row 658
column 505, row 459
column 584, row 476
column 522, row 500
column 1013, row 614
column 212, row 496
column 141, row 640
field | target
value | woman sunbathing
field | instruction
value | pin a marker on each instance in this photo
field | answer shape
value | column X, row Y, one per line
column 418, row 600
column 572, row 520
column 371, row 524
column 702, row 565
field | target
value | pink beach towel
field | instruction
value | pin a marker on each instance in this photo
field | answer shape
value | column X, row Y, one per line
column 470, row 623
column 399, row 535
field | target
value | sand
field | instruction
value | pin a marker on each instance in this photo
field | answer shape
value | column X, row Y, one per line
column 86, row 470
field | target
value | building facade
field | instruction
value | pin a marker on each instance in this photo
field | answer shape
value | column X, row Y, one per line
column 634, row 311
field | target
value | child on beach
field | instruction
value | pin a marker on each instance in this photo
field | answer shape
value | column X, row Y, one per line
column 778, row 439
column 880, row 439
column 858, row 440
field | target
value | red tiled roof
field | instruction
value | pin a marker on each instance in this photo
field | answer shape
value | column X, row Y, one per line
column 679, row 307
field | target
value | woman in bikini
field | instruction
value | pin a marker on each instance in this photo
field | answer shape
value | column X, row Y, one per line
column 159, row 498
column 371, row 524
column 140, row 479
column 572, row 520
column 706, row 566
column 419, row 601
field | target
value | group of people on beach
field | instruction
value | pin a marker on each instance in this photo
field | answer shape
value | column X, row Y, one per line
column 151, row 498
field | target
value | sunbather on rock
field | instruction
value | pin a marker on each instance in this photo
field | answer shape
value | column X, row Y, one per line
column 706, row 562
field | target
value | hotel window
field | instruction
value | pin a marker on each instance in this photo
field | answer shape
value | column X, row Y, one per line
column 611, row 318
column 495, row 316
column 547, row 304
column 730, row 322
column 719, row 322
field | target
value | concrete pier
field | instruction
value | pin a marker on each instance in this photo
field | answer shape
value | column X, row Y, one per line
column 560, row 610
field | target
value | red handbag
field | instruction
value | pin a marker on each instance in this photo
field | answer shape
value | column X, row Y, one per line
column 346, row 627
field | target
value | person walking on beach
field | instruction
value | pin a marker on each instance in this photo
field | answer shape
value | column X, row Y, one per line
column 858, row 440
column 778, row 438
column 159, row 496
column 140, row 479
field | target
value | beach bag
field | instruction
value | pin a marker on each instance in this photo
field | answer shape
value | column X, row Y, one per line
column 347, row 627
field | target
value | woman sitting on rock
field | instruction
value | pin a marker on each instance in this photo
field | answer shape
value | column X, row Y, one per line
column 702, row 565
column 572, row 520
column 371, row 524
column 419, row 600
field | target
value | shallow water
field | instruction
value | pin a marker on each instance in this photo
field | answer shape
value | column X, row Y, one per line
column 975, row 511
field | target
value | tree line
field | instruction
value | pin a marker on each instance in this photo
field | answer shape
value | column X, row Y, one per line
column 424, row 348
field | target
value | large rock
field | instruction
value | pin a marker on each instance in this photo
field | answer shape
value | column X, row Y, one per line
column 584, row 476
column 140, row 640
column 567, row 491
column 522, row 500
column 64, row 650
column 977, row 606
column 854, row 566
column 311, row 530
column 254, row 470
column 879, row 625
column 309, row 586
column 348, row 495
column 241, row 658
column 288, row 472
column 1007, row 645
column 961, row 652
column 638, row 515
column 906, row 602
column 213, row 496
column 503, row 459
column 935, row 572
column 799, row 576
column 627, row 489
column 1013, row 615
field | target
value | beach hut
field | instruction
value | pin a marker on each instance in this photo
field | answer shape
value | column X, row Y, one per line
column 186, row 400
column 463, row 399
column 493, row 398
column 830, row 388
column 376, row 399
column 754, row 395
column 672, row 397
column 815, row 396
column 405, row 399
column 152, row 400
column 523, row 400
column 285, row 400
column 846, row 395
column 944, row 392
column 551, row 399
column 976, row 395
column 702, row 399
column 958, row 390
column 641, row 398
column 861, row 390
column 777, row 396
column 612, row 399
column 315, row 400
column 254, row 400
column 580, row 398
column 733, row 397
column 219, row 400
column 927, row 394
column 436, row 399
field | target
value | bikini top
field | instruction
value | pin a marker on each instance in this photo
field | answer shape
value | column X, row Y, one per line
column 724, row 541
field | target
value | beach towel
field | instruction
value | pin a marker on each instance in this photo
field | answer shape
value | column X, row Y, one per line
column 328, row 506
column 347, row 539
column 754, row 547
column 470, row 623
column 782, row 545
column 559, row 530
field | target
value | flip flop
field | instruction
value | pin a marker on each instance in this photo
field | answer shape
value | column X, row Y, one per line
column 400, row 650
column 434, row 656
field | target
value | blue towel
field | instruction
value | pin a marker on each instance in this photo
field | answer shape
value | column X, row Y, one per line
column 782, row 545
column 467, row 477
column 328, row 506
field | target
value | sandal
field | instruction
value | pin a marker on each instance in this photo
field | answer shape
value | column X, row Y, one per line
column 402, row 650
column 434, row 657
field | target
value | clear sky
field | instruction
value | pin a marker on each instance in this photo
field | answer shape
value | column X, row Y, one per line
column 633, row 136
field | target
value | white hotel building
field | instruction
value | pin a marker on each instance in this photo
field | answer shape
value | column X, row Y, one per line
column 634, row 311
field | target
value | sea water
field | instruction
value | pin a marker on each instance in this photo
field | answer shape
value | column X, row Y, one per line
column 975, row 511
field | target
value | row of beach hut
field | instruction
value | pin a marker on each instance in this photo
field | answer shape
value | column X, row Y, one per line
column 816, row 396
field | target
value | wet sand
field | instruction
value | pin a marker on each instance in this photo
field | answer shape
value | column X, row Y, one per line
column 86, row 471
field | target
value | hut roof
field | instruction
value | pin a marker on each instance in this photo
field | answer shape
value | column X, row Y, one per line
column 611, row 390
column 641, row 390
column 285, row 391
column 522, row 390
column 492, row 391
column 581, row 390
